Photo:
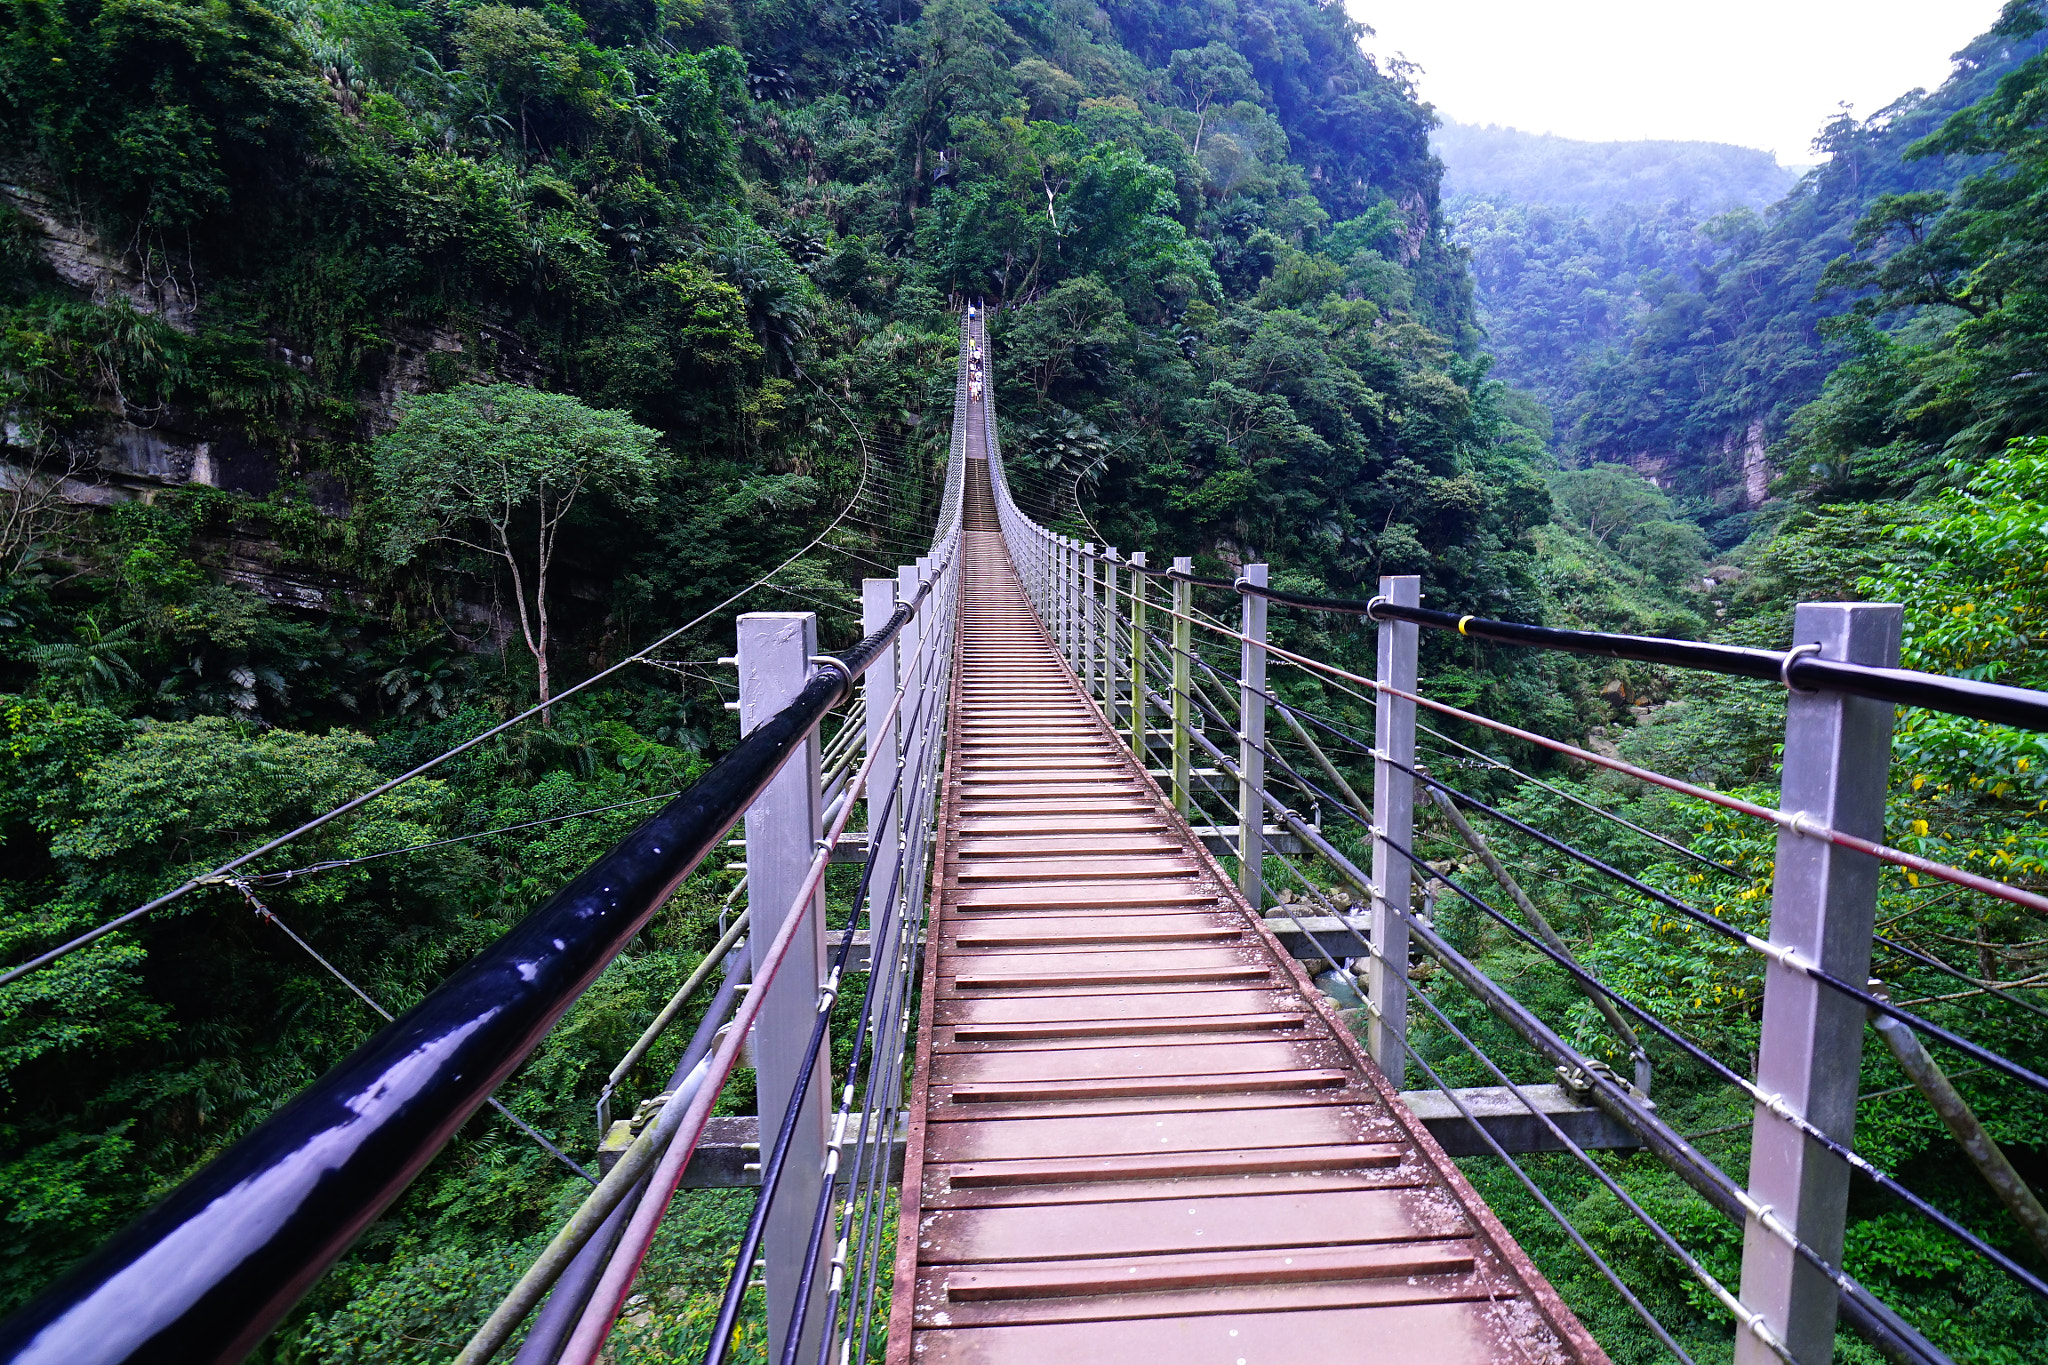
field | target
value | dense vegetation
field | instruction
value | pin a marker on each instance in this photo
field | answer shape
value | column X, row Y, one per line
column 514, row 335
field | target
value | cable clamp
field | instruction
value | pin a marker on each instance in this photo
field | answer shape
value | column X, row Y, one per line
column 833, row 661
column 1776, row 1106
column 1792, row 655
column 1784, row 957
column 1801, row 823
column 1771, row 1223
column 1372, row 608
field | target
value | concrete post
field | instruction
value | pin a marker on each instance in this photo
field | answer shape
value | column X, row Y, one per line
column 783, row 828
column 1393, row 818
column 1251, row 752
column 1823, row 902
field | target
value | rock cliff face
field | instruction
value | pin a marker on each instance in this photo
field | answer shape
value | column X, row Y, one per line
column 1748, row 453
column 101, row 273
column 124, row 460
column 1655, row 468
column 136, row 461
column 1743, row 469
column 127, row 459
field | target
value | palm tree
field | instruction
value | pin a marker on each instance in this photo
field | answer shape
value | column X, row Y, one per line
column 93, row 669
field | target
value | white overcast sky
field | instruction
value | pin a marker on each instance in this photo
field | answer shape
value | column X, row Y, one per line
column 1760, row 73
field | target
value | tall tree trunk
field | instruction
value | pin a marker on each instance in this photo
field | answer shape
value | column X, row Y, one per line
column 535, row 634
column 540, row 655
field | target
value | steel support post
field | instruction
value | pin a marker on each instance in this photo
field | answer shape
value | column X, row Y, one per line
column 1074, row 604
column 1026, row 557
column 1140, row 749
column 1052, row 587
column 884, row 735
column 1061, row 592
column 1112, row 658
column 1069, row 602
column 1823, row 902
column 914, row 649
column 1049, row 607
column 910, row 579
column 1393, row 819
column 1041, row 574
column 1251, row 741
column 1183, row 680
column 783, row 828
column 1089, row 619
column 1056, row 584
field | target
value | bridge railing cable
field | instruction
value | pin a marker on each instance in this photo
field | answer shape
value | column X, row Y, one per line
column 208, row 1271
column 893, row 766
column 1188, row 689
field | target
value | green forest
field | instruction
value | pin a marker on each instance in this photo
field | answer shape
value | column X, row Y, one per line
column 373, row 370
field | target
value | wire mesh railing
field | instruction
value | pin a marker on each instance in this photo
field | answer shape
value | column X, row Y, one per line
column 1263, row 765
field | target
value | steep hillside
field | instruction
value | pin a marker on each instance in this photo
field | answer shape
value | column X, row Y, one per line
column 1489, row 162
column 1688, row 342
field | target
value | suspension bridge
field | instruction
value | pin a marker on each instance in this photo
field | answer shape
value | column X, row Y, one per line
column 1116, row 1095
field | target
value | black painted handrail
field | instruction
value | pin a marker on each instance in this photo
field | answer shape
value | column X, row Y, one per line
column 2021, row 706
column 204, row 1275
column 2006, row 705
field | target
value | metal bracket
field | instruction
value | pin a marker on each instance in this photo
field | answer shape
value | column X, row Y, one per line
column 833, row 661
column 1793, row 655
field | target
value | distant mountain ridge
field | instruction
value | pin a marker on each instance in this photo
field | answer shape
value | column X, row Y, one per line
column 1541, row 168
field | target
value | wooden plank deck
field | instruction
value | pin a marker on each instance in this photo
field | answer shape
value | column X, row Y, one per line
column 1139, row 1134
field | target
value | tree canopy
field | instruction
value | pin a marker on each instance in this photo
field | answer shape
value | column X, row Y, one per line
column 497, row 469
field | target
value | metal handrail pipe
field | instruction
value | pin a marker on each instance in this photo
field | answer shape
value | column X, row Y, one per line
column 2021, row 706
column 609, row 1297
column 2000, row 703
column 204, row 1275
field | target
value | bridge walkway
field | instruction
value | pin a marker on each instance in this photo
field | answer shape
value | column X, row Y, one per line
column 1138, row 1133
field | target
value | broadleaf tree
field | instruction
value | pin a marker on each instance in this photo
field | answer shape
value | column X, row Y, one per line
column 497, row 468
